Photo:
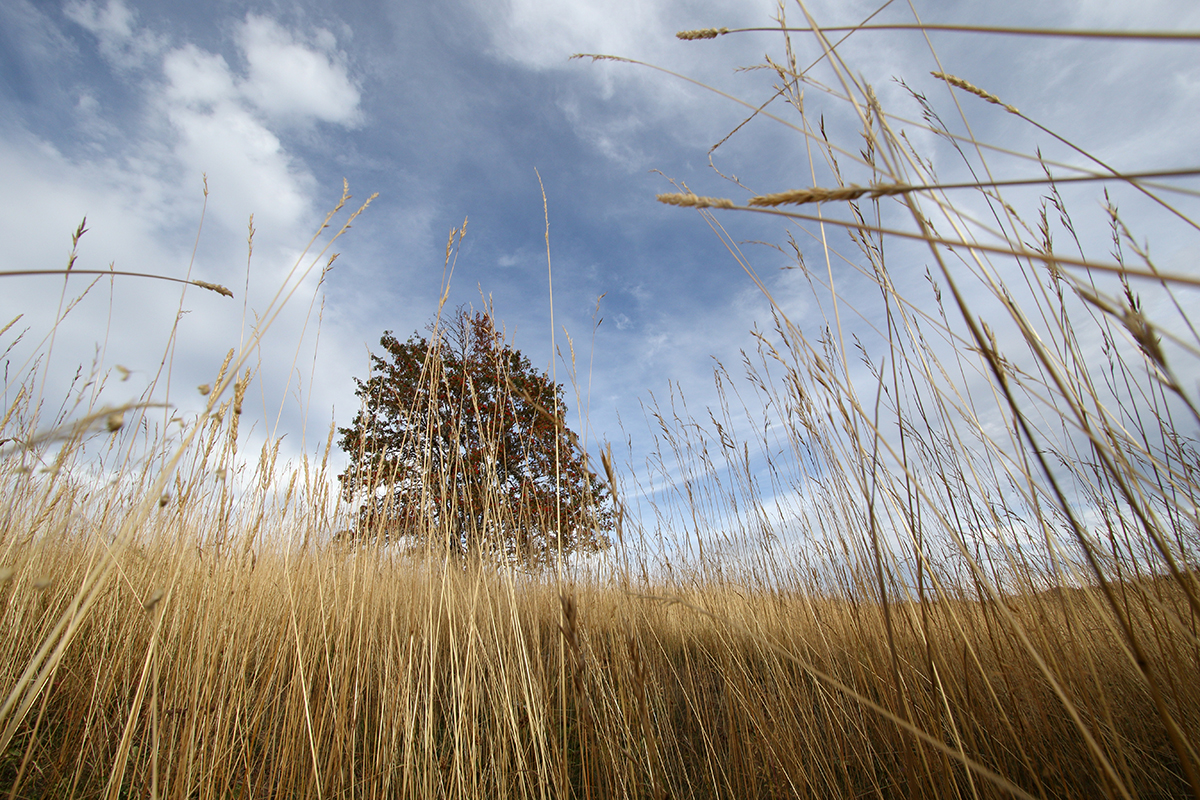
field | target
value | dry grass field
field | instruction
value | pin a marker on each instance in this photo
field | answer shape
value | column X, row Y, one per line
column 986, row 585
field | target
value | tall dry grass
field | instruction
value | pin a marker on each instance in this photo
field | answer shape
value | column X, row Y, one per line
column 956, row 563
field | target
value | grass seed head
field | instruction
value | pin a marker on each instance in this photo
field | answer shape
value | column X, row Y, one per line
column 694, row 201
column 702, row 33
column 967, row 86
column 239, row 392
column 1143, row 333
column 213, row 287
column 814, row 195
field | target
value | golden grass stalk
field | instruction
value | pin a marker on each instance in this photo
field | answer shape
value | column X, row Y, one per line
column 958, row 559
column 967, row 86
column 687, row 200
column 991, row 30
column 212, row 287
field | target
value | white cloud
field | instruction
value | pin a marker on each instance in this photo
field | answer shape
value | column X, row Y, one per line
column 140, row 186
column 223, row 121
column 614, row 106
column 540, row 33
column 246, row 165
column 114, row 25
column 204, row 117
column 289, row 81
column 217, row 134
column 615, row 137
column 197, row 78
column 141, row 220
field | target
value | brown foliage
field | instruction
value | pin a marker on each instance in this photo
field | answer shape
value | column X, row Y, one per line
column 462, row 442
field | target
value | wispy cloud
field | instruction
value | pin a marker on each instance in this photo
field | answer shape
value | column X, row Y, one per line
column 123, row 43
column 139, row 182
column 114, row 109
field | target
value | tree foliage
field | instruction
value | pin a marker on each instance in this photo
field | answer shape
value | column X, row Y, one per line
column 461, row 442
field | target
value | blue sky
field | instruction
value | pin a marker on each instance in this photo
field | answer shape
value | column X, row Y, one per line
column 115, row 109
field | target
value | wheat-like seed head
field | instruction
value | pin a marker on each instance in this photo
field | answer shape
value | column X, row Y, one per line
column 967, row 86
column 447, row 647
column 239, row 392
column 694, row 201
column 702, row 33
column 814, row 195
column 213, row 287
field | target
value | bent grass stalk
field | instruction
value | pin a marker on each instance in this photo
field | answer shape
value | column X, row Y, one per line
column 19, row 700
column 948, row 553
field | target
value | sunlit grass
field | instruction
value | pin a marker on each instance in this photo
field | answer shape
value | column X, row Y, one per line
column 957, row 559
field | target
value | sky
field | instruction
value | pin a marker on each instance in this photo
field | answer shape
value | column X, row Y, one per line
column 120, row 111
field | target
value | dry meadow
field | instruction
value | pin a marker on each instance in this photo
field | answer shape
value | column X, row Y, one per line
column 960, row 561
